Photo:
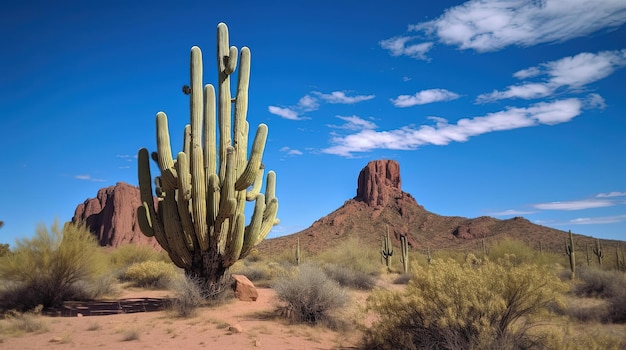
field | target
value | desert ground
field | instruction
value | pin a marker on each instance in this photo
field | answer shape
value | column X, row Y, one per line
column 233, row 325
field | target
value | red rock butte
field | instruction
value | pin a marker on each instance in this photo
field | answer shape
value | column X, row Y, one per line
column 112, row 216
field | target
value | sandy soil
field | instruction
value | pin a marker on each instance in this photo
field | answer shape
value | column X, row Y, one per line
column 212, row 328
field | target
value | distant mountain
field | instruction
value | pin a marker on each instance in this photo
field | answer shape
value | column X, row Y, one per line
column 380, row 203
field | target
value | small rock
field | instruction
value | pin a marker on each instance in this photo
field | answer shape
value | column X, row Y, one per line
column 56, row 340
column 235, row 328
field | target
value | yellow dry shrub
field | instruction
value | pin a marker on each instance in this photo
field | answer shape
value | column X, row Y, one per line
column 155, row 274
column 474, row 305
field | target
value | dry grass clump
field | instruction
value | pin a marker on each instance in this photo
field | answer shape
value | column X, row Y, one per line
column 16, row 324
column 609, row 286
column 474, row 305
column 351, row 264
column 188, row 296
column 309, row 296
column 151, row 274
column 55, row 265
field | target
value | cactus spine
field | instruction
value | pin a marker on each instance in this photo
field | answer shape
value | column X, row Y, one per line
column 598, row 252
column 386, row 250
column 405, row 254
column 199, row 220
column 570, row 251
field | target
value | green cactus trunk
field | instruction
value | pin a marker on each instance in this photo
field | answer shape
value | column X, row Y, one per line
column 386, row 250
column 598, row 252
column 405, row 254
column 569, row 250
column 199, row 220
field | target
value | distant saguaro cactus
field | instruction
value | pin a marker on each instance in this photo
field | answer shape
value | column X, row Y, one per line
column 202, row 193
column 386, row 250
column 571, row 252
column 598, row 252
column 404, row 245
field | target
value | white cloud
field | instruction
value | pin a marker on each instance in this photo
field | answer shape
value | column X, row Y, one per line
column 491, row 25
column 339, row 97
column 87, row 177
column 573, row 72
column 286, row 113
column 575, row 205
column 353, row 123
column 424, row 97
column 397, row 46
column 511, row 212
column 291, row 151
column 611, row 194
column 443, row 133
column 598, row 220
column 311, row 102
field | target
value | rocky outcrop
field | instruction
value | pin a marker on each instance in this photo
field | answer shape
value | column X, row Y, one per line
column 112, row 216
column 378, row 182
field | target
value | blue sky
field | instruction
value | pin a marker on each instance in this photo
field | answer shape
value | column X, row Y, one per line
column 493, row 107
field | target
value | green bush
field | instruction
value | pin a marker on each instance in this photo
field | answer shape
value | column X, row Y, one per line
column 474, row 305
column 50, row 268
column 151, row 274
column 353, row 255
column 310, row 296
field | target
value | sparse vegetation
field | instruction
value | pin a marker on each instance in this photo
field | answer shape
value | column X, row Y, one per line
column 475, row 305
column 188, row 296
column 55, row 265
column 152, row 274
column 309, row 296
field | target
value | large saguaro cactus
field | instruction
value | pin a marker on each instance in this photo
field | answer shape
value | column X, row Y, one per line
column 202, row 193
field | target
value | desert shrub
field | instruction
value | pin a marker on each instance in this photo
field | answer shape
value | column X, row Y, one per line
column 188, row 296
column 152, row 274
column 594, row 282
column 347, row 277
column 51, row 267
column 4, row 249
column 474, row 305
column 15, row 323
column 351, row 264
column 403, row 278
column 128, row 254
column 516, row 251
column 309, row 296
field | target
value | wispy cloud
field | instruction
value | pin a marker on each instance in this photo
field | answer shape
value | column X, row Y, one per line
column 598, row 220
column 340, row 97
column 491, row 25
column 398, row 46
column 353, row 123
column 291, row 151
column 311, row 102
column 575, row 205
column 424, row 97
column 511, row 212
column 573, row 73
column 87, row 177
column 443, row 133
column 611, row 194
column 127, row 157
column 287, row 113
